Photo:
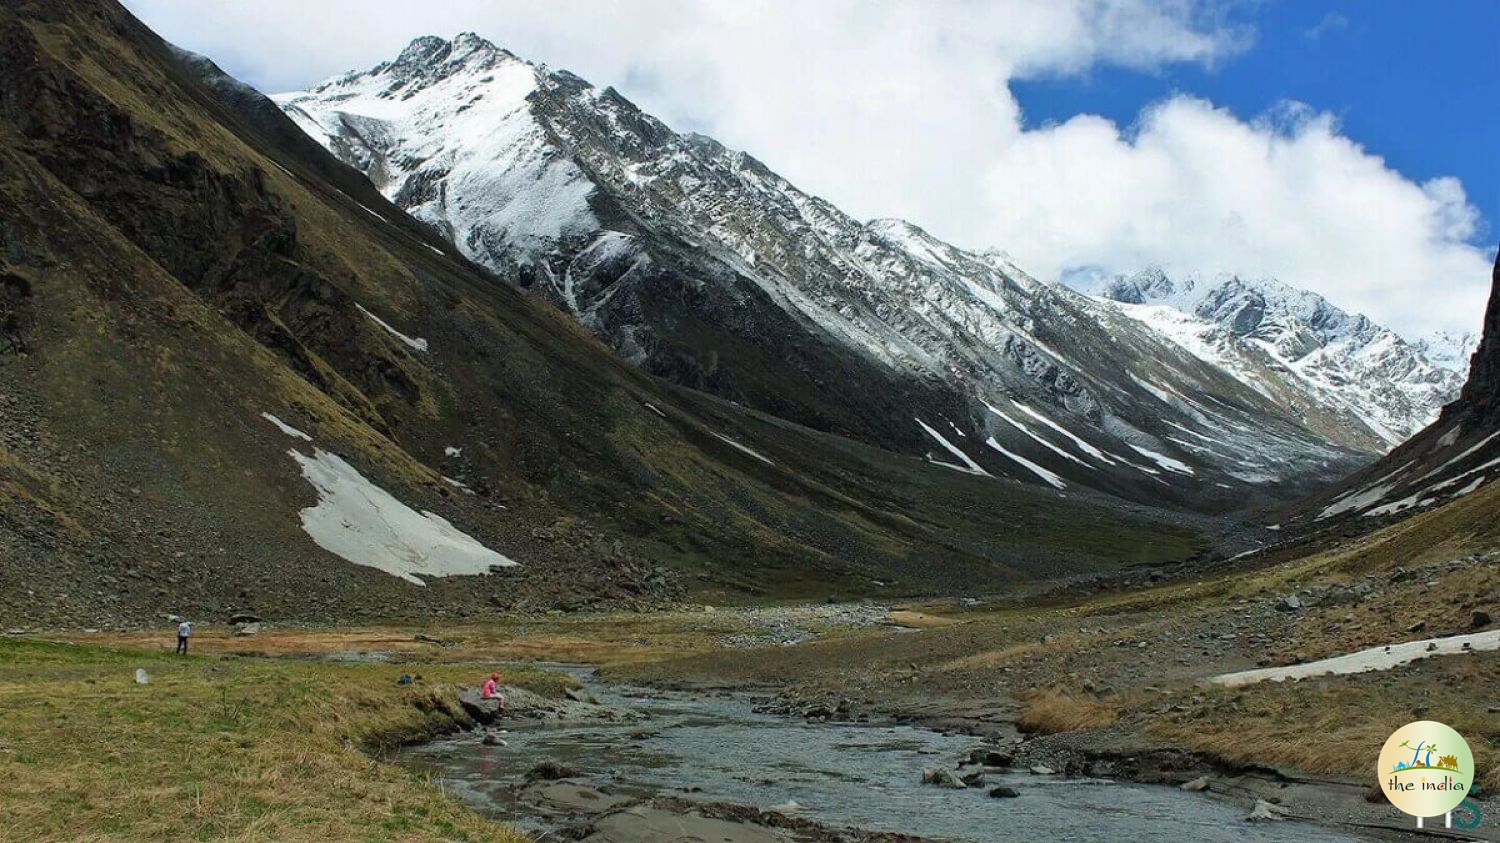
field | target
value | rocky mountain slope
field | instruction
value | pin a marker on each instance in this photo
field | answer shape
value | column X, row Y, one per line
column 699, row 264
column 234, row 377
column 1298, row 348
column 1448, row 461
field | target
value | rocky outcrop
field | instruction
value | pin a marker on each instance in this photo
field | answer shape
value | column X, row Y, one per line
column 1480, row 399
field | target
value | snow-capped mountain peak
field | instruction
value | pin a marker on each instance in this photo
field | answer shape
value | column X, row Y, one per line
column 1335, row 357
column 702, row 265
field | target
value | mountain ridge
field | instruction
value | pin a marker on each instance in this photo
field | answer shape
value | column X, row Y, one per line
column 700, row 265
column 1332, row 355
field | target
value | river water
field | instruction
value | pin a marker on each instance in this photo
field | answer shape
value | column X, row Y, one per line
column 860, row 776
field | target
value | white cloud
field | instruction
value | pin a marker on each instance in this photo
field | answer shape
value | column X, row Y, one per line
column 903, row 109
column 1331, row 22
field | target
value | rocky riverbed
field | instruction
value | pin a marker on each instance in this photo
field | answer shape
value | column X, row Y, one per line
column 660, row 765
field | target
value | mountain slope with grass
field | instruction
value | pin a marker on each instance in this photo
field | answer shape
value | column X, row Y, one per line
column 234, row 377
column 701, row 265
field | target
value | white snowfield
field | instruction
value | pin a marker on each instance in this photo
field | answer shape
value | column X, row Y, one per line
column 1375, row 658
column 366, row 525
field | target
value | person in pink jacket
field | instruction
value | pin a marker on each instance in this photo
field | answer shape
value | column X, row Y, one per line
column 491, row 690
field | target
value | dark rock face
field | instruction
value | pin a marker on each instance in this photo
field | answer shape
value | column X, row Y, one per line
column 1480, row 400
column 15, row 314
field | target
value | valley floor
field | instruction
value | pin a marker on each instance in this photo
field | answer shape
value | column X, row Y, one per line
column 269, row 736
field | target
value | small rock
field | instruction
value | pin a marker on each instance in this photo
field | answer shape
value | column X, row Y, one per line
column 1004, row 792
column 1196, row 785
column 1042, row 770
column 492, row 739
column 1432, row 646
column 550, row 771
column 943, row 777
column 974, row 779
column 1289, row 603
column 142, row 677
column 1264, row 812
column 1480, row 619
column 243, row 617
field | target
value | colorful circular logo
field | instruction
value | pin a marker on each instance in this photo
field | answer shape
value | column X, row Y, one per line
column 1425, row 769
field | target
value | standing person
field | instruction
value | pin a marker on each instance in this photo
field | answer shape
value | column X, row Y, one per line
column 491, row 690
column 184, row 631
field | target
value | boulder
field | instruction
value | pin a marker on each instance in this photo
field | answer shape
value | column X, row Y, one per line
column 493, row 739
column 1042, row 770
column 142, row 677
column 974, row 779
column 1196, row 785
column 482, row 710
column 1004, row 792
column 243, row 617
column 1289, row 603
column 250, row 628
column 1480, row 619
column 990, row 757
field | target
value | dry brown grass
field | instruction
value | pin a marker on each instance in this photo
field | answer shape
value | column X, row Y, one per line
column 1337, row 725
column 604, row 639
column 1054, row 710
column 220, row 749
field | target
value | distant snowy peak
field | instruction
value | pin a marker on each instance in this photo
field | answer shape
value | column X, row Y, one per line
column 1451, row 350
column 1333, row 356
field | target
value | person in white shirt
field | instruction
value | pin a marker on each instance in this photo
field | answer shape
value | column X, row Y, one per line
column 184, row 631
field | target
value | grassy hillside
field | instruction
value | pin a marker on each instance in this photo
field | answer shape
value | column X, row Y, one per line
column 176, row 264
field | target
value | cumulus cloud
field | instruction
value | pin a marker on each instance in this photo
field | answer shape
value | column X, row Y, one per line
column 904, row 109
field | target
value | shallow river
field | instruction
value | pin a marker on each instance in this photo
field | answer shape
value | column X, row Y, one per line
column 843, row 775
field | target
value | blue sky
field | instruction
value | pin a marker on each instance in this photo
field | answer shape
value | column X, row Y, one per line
column 1417, row 83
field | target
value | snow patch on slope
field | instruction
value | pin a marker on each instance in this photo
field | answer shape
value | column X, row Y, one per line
column 1043, row 473
column 973, row 467
column 365, row 524
column 286, row 428
column 413, row 342
column 1375, row 658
